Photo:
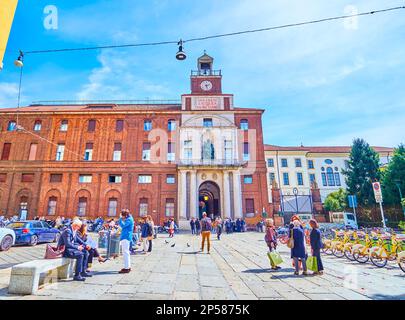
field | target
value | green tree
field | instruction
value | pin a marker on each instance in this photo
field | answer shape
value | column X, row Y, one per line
column 363, row 169
column 394, row 177
column 336, row 201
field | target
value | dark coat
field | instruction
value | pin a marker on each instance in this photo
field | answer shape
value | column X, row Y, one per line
column 299, row 243
column 316, row 240
column 70, row 242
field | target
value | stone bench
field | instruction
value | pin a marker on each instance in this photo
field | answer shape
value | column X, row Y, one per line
column 27, row 277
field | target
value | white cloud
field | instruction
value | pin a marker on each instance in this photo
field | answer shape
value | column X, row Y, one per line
column 8, row 95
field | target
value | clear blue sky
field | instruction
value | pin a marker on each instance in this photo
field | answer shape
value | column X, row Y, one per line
column 321, row 84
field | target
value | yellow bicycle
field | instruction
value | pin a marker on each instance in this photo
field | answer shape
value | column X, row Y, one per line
column 361, row 252
column 388, row 249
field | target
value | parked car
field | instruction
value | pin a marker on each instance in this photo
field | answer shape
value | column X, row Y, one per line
column 7, row 239
column 34, row 232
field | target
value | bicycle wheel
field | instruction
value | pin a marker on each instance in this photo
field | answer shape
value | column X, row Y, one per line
column 338, row 253
column 360, row 257
column 348, row 254
column 378, row 261
column 401, row 264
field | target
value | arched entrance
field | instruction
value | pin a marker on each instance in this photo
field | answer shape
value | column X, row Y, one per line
column 209, row 199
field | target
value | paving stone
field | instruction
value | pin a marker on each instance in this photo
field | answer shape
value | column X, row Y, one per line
column 211, row 293
column 323, row 296
column 186, row 295
column 213, row 281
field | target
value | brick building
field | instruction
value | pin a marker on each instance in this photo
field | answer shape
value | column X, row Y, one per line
column 164, row 159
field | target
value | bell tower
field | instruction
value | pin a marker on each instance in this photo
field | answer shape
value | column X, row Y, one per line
column 206, row 88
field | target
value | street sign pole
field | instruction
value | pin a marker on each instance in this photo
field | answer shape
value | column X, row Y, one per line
column 379, row 199
column 382, row 215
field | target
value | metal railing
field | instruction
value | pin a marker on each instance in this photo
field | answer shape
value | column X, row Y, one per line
column 210, row 162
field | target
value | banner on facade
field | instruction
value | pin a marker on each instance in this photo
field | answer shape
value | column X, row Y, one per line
column 7, row 11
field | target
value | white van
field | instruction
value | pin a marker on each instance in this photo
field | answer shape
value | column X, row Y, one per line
column 348, row 219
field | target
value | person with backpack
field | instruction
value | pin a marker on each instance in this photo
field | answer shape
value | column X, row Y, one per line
column 206, row 227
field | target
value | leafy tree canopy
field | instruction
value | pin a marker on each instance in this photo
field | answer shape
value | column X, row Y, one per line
column 336, row 201
column 394, row 177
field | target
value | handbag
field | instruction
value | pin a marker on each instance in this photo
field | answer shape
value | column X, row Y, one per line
column 290, row 242
column 54, row 252
column 312, row 264
column 275, row 258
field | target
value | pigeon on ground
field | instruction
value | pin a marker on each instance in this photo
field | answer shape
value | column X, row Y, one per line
column 188, row 245
column 166, row 241
column 173, row 245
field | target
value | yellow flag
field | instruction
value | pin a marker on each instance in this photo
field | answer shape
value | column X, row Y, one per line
column 7, row 10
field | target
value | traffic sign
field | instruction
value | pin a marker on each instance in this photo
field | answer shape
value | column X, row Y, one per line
column 377, row 192
column 352, row 201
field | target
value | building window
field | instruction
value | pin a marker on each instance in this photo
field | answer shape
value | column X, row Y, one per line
column 12, row 125
column 144, row 178
column 171, row 155
column 81, row 210
column 88, row 153
column 91, row 127
column 270, row 162
column 112, row 178
column 310, row 164
column 55, row 177
column 33, row 152
column 298, row 163
column 347, row 164
column 228, row 151
column 63, row 125
column 337, row 179
column 250, row 205
column 5, row 155
column 112, row 207
column 272, row 177
column 248, row 179
column 143, row 207
column 286, row 179
column 146, row 151
column 27, row 177
column 52, row 206
column 37, row 125
column 330, row 176
column 300, row 179
column 119, row 125
column 60, row 151
column 117, row 151
column 170, row 179
column 85, row 178
column 324, row 182
column 328, row 161
column 311, row 178
column 171, row 125
column 147, row 125
column 246, row 155
column 188, row 150
column 284, row 163
column 244, row 124
column 169, row 208
column 207, row 123
column 3, row 177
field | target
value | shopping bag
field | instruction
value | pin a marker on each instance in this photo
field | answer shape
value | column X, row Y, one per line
column 312, row 264
column 275, row 258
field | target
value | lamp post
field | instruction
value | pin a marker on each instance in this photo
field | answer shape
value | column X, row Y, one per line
column 398, row 184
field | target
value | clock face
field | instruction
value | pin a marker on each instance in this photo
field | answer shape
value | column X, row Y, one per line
column 206, row 85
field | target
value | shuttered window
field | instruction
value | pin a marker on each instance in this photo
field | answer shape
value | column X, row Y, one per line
column 250, row 205
column 56, row 177
column 119, row 125
column 91, row 126
column 33, row 152
column 6, row 151
column 27, row 177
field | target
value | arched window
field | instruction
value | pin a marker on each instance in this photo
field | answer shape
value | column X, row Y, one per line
column 330, row 176
column 52, row 202
column 244, row 124
column 37, row 125
column 112, row 207
column 81, row 210
column 143, row 207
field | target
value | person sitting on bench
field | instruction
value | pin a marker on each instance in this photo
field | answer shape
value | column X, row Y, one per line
column 75, row 248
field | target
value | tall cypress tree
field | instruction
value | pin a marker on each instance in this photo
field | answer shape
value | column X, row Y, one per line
column 394, row 174
column 363, row 169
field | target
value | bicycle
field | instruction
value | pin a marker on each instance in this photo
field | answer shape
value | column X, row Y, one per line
column 386, row 250
column 361, row 252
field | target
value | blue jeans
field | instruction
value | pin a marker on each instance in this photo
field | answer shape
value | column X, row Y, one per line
column 297, row 266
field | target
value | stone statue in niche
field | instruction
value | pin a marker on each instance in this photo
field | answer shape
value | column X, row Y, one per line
column 208, row 152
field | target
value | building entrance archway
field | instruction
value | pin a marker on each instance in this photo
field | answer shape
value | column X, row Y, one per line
column 209, row 197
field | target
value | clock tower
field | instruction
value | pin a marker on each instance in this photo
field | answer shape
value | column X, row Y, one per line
column 206, row 88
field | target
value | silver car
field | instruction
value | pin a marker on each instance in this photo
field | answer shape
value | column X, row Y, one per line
column 7, row 238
